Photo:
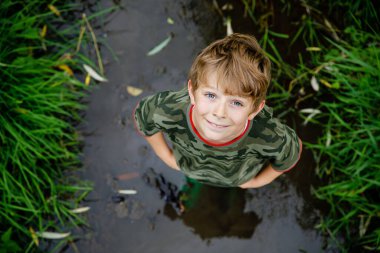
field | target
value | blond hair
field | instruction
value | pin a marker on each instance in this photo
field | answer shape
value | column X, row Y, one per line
column 241, row 67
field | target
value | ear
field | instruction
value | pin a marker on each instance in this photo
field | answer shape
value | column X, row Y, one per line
column 253, row 114
column 190, row 90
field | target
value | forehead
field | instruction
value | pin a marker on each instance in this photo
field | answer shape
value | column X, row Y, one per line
column 212, row 82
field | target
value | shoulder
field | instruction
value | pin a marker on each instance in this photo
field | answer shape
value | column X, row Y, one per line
column 162, row 111
column 268, row 129
column 264, row 124
column 275, row 141
column 166, row 98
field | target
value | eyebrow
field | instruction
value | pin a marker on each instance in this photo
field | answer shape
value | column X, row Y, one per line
column 246, row 99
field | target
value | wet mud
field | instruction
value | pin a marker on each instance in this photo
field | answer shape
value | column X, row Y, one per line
column 170, row 213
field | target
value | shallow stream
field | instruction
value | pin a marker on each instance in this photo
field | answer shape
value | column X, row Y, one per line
column 279, row 217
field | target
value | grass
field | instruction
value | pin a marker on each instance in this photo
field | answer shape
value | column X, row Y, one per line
column 340, row 49
column 348, row 152
column 40, row 93
column 308, row 27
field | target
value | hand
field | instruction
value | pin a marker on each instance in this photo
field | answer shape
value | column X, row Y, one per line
column 171, row 161
column 252, row 183
column 162, row 150
column 266, row 176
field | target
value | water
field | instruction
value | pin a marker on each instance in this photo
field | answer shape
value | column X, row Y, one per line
column 279, row 217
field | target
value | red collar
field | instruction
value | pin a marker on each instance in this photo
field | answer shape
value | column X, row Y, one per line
column 211, row 143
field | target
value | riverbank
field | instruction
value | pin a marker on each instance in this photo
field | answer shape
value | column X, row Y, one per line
column 325, row 57
column 42, row 84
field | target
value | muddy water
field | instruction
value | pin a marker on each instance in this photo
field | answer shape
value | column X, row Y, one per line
column 279, row 217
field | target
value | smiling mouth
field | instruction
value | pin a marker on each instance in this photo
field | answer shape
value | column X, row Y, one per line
column 216, row 125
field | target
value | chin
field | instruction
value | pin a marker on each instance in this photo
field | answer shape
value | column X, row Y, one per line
column 216, row 138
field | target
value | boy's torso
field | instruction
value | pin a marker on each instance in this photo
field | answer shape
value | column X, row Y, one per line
column 229, row 165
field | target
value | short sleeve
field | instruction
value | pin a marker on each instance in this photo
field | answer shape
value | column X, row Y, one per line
column 161, row 112
column 288, row 149
column 144, row 115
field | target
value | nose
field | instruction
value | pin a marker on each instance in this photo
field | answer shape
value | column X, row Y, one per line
column 219, row 110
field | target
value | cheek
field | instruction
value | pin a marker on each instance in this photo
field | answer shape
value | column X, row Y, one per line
column 202, row 109
column 238, row 117
column 202, row 106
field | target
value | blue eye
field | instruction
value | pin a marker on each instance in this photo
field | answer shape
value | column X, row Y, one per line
column 237, row 103
column 210, row 95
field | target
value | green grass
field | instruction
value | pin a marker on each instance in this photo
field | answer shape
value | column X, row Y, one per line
column 40, row 107
column 348, row 152
column 309, row 24
column 347, row 70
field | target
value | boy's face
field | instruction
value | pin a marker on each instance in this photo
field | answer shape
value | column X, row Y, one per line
column 217, row 116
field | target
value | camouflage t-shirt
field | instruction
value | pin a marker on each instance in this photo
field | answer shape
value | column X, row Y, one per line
column 264, row 141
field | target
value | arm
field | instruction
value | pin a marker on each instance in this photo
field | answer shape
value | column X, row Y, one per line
column 266, row 176
column 162, row 150
column 269, row 174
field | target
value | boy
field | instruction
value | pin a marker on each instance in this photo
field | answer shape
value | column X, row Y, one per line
column 221, row 132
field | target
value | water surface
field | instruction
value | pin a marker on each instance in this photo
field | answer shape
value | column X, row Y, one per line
column 279, row 217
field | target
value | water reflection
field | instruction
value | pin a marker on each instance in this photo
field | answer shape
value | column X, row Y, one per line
column 211, row 211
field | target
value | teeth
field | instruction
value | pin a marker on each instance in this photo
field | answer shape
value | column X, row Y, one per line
column 218, row 126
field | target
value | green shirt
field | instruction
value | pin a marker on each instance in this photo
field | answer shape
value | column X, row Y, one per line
column 265, row 140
